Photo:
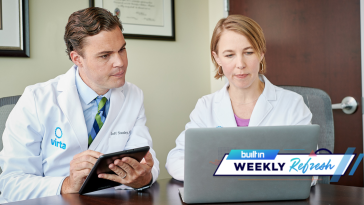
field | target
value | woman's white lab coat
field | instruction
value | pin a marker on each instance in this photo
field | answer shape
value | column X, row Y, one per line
column 275, row 106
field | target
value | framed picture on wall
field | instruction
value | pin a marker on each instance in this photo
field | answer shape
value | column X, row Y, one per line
column 14, row 28
column 149, row 19
column 1, row 16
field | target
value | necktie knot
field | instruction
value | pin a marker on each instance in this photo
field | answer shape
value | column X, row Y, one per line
column 102, row 103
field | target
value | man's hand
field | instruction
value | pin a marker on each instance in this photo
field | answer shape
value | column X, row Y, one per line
column 80, row 167
column 130, row 172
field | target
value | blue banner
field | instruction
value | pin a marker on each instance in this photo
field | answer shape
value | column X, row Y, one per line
column 252, row 154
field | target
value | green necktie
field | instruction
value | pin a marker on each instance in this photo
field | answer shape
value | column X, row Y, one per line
column 99, row 120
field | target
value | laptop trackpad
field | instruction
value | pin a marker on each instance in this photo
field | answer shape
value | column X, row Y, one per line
column 181, row 192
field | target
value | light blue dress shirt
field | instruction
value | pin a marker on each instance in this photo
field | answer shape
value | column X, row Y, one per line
column 89, row 103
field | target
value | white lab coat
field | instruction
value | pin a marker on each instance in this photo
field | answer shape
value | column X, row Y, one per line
column 275, row 106
column 34, row 164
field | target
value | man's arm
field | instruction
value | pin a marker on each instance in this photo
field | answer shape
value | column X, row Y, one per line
column 21, row 159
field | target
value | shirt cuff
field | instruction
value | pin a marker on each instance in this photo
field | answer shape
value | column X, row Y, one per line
column 146, row 186
column 60, row 187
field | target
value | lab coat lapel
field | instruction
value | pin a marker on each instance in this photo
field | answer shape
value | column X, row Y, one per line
column 116, row 102
column 261, row 110
column 70, row 104
column 224, row 109
column 263, row 106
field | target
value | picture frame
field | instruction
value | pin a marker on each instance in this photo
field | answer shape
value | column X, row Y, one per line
column 14, row 32
column 1, row 15
column 150, row 20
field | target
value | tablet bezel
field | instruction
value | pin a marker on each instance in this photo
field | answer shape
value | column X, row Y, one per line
column 93, row 183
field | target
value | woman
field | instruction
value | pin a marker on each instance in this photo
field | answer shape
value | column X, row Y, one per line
column 248, row 99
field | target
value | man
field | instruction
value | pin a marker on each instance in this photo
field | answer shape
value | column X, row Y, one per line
column 59, row 128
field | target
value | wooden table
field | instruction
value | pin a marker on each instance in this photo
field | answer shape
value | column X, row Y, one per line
column 165, row 192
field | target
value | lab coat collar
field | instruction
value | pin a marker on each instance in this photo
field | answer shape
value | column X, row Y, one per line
column 67, row 80
column 261, row 109
column 224, row 108
column 87, row 95
column 263, row 105
column 269, row 89
column 70, row 104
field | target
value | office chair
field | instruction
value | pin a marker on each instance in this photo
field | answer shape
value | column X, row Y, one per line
column 319, row 103
column 6, row 105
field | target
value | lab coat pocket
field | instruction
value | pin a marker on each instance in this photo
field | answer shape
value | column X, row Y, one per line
column 117, row 142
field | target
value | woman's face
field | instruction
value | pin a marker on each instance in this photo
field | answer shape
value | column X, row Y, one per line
column 238, row 59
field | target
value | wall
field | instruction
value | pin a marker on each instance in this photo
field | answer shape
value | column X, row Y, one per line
column 216, row 12
column 173, row 75
column 48, row 58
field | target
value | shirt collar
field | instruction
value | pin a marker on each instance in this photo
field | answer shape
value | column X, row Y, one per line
column 85, row 92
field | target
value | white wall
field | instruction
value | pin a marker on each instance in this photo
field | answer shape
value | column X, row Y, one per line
column 216, row 12
column 173, row 75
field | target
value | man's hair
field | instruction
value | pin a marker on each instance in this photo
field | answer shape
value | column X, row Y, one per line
column 87, row 22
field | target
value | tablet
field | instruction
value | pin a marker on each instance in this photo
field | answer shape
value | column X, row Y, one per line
column 94, row 183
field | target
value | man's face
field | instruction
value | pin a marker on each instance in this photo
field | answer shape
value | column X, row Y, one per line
column 104, row 62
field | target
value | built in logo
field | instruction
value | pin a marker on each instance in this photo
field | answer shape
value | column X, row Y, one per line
column 253, row 154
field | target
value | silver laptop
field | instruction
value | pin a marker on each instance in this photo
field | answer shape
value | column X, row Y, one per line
column 205, row 147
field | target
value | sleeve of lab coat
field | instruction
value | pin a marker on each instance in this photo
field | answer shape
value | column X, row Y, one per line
column 176, row 157
column 140, row 137
column 21, row 157
column 299, row 112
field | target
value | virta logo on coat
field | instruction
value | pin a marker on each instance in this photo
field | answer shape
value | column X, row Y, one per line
column 58, row 132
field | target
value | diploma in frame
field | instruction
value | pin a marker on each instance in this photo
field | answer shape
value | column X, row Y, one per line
column 147, row 19
column 14, row 28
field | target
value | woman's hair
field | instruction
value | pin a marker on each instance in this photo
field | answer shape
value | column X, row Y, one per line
column 87, row 22
column 242, row 25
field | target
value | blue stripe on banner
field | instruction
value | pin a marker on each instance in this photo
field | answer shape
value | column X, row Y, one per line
column 358, row 160
column 342, row 165
column 250, row 154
